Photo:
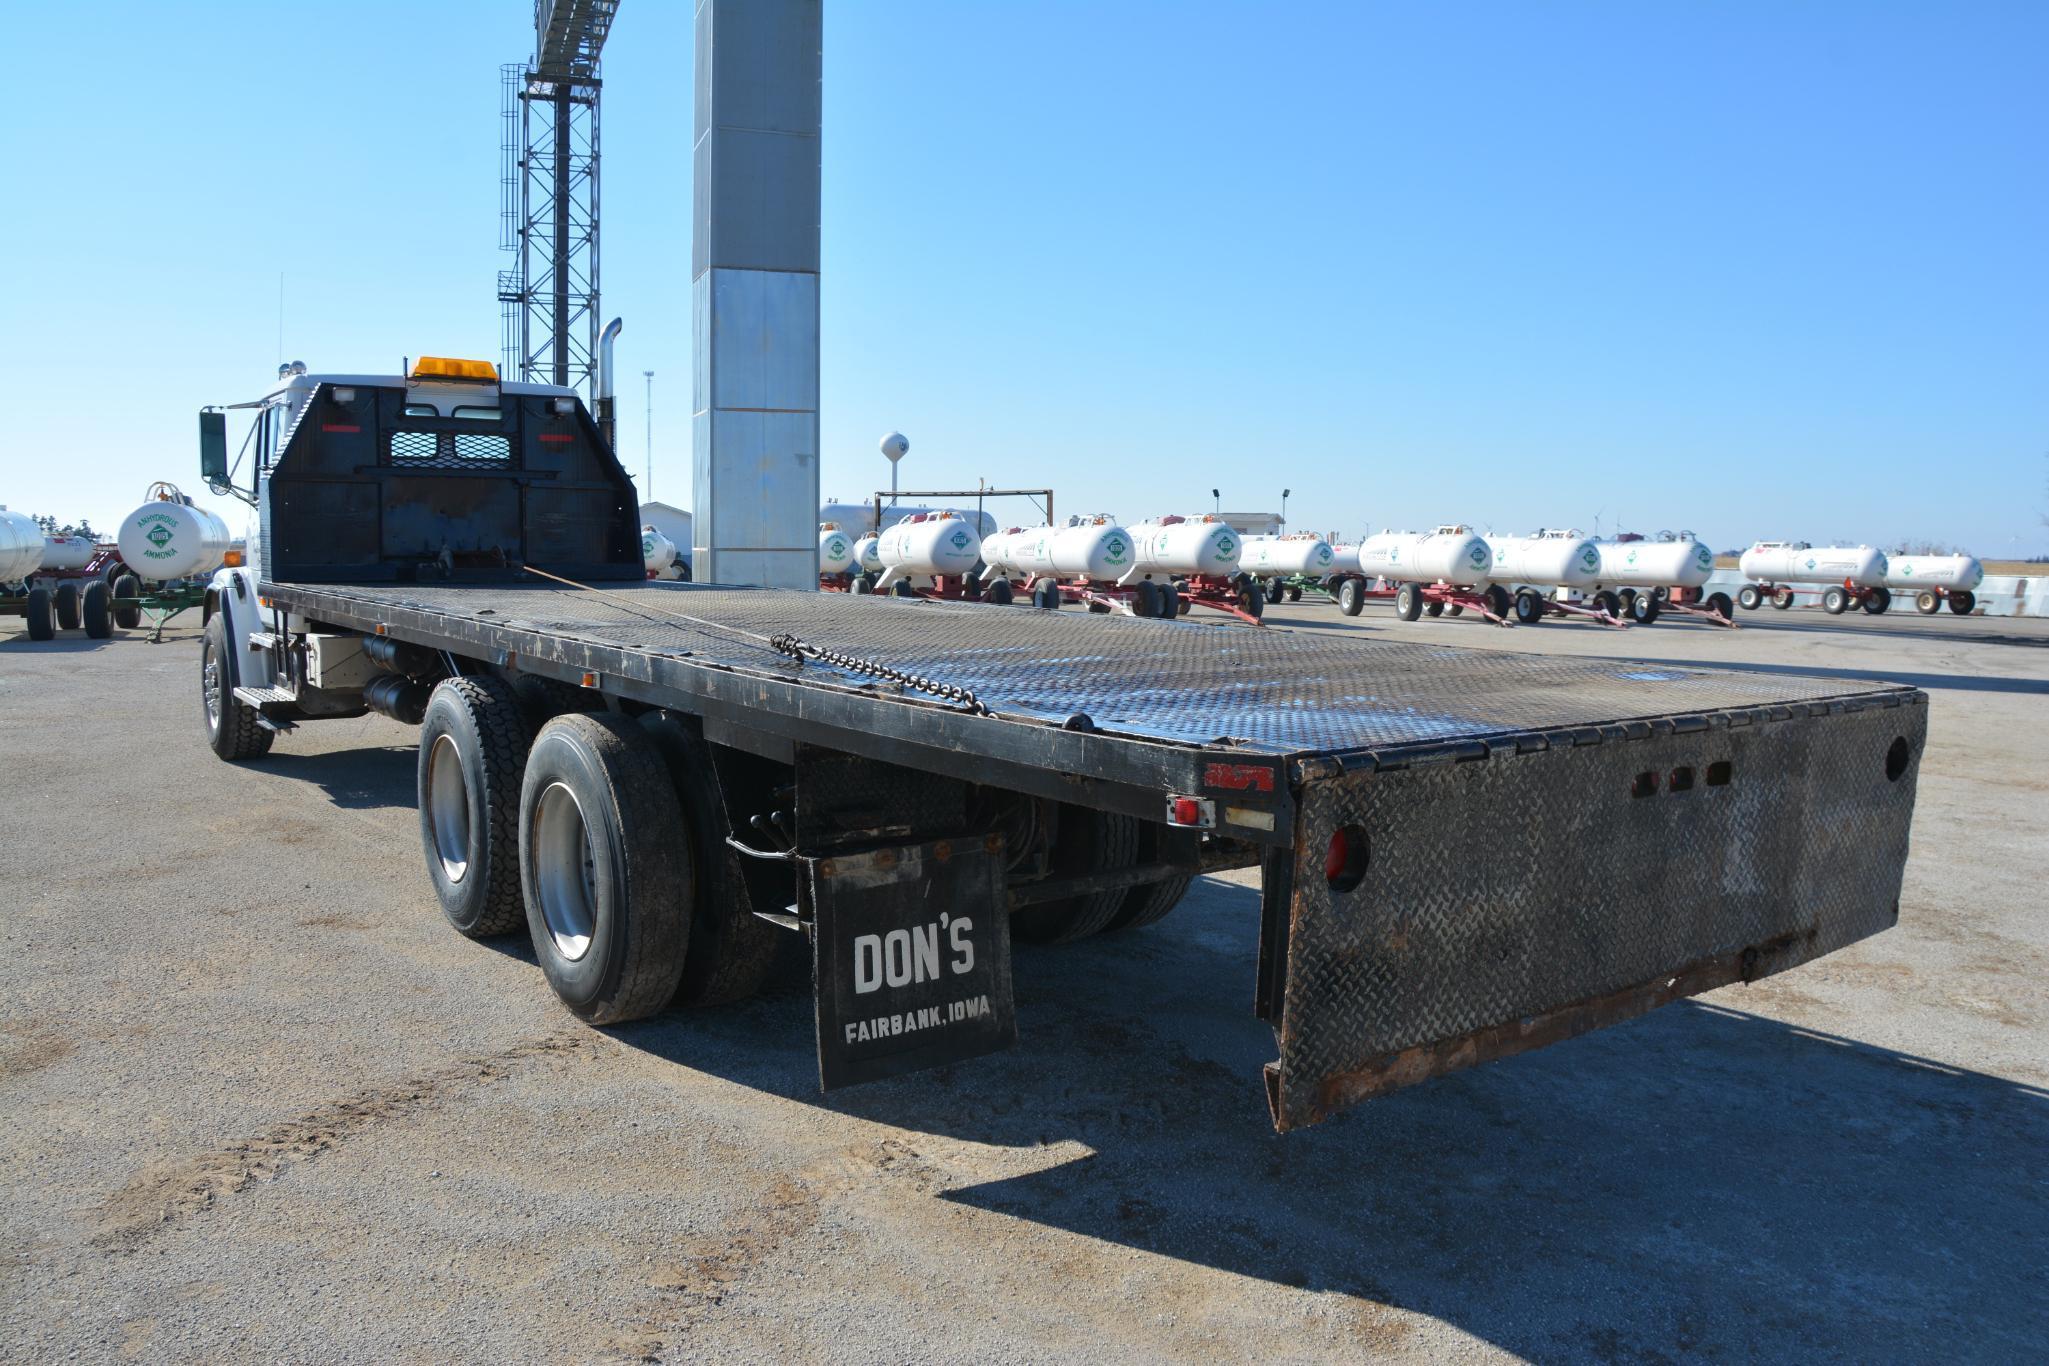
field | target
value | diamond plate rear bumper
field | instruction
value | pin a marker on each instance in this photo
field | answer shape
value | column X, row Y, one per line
column 1544, row 885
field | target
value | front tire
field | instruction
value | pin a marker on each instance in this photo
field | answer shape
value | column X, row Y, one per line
column 1643, row 609
column 1927, row 604
column 1408, row 601
column 1782, row 599
column 42, row 622
column 92, row 611
column 65, row 600
column 1529, row 608
column 1877, row 600
column 232, row 729
column 605, row 867
column 1351, row 597
column 1719, row 604
column 1962, row 603
column 1835, row 601
column 1748, row 598
column 999, row 593
column 473, row 746
column 128, row 614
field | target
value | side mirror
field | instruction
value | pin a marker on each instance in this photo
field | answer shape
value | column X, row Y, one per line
column 213, row 447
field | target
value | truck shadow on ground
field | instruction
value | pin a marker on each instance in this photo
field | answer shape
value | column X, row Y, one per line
column 356, row 779
column 1705, row 1180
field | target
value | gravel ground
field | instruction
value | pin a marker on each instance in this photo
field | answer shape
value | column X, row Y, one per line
column 257, row 1102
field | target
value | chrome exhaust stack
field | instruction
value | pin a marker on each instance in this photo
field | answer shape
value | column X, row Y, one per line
column 607, row 420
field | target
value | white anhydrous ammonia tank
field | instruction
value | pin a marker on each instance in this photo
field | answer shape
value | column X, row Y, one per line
column 1092, row 548
column 657, row 551
column 868, row 554
column 167, row 540
column 1450, row 554
column 835, row 550
column 1185, row 545
column 1344, row 559
column 21, row 546
column 1545, row 559
column 1682, row 563
column 1264, row 555
column 1794, row 562
column 68, row 552
column 933, row 543
column 1958, row 573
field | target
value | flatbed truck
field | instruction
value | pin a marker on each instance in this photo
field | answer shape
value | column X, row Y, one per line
column 1461, row 854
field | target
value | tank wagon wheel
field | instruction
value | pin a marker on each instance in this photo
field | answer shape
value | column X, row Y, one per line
column 232, row 730
column 601, row 868
column 1834, row 601
column 1046, row 595
column 42, row 625
column 1962, row 603
column 127, row 615
column 1182, row 605
column 902, row 588
column 1498, row 601
column 999, row 593
column 731, row 951
column 1719, row 604
column 92, row 610
column 1145, row 599
column 1877, row 600
column 1606, row 601
column 1528, row 609
column 1252, row 601
column 1089, row 841
column 860, row 587
column 1433, row 608
column 1643, row 609
column 1408, row 601
column 1782, row 598
column 1927, row 604
column 1351, row 597
column 1749, row 598
column 65, row 601
column 473, row 746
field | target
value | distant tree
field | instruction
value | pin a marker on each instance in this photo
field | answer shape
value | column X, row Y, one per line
column 1922, row 545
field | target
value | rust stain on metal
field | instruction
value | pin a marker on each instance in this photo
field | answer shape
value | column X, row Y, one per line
column 942, row 851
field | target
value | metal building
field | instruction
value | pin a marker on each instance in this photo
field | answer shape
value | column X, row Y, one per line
column 548, row 203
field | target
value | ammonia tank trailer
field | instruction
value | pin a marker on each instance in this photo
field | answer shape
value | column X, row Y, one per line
column 927, row 555
column 1079, row 562
column 1935, row 579
column 43, row 581
column 662, row 783
column 1434, row 571
column 1194, row 561
column 1669, row 574
column 838, row 565
column 1286, row 563
column 1531, row 567
column 1855, row 576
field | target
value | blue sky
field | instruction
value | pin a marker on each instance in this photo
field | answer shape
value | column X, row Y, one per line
column 1769, row 269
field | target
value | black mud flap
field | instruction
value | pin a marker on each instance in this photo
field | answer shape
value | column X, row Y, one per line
column 910, row 958
column 1481, row 905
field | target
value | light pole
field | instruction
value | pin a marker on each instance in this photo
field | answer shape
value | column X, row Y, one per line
column 649, row 375
column 1284, row 509
column 1219, row 497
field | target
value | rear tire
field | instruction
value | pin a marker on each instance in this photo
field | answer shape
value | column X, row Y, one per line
column 1252, row 601
column 1351, row 597
column 42, row 623
column 605, row 867
column 1145, row 599
column 1000, row 593
column 1749, row 598
column 1434, row 608
column 473, row 746
column 1782, row 598
column 1927, row 604
column 1834, row 601
column 1643, row 609
column 1877, row 600
column 1529, row 608
column 92, row 610
column 65, row 600
column 127, row 615
column 1962, row 603
column 1408, row 601
column 732, row 951
column 232, row 730
column 1088, row 841
column 1719, row 604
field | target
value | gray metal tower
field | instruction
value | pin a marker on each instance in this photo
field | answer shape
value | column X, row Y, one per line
column 548, row 204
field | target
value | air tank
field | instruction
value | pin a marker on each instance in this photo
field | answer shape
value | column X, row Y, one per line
column 21, row 546
column 1798, row 562
column 1185, row 545
column 1087, row 547
column 868, row 553
column 835, row 549
column 1270, row 555
column 1958, row 573
column 68, row 552
column 1678, row 562
column 657, row 551
column 164, row 539
column 1450, row 554
column 927, row 543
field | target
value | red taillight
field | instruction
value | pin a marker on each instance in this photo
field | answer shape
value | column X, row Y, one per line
column 338, row 427
column 1187, row 811
column 557, row 438
column 1344, row 862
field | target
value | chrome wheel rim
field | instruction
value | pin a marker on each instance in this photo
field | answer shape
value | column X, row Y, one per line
column 210, row 687
column 565, row 872
column 448, row 808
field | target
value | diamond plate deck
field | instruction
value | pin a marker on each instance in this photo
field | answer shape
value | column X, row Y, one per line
column 1271, row 691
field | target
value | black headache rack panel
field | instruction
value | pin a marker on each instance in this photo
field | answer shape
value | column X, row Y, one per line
column 364, row 492
column 1540, row 845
